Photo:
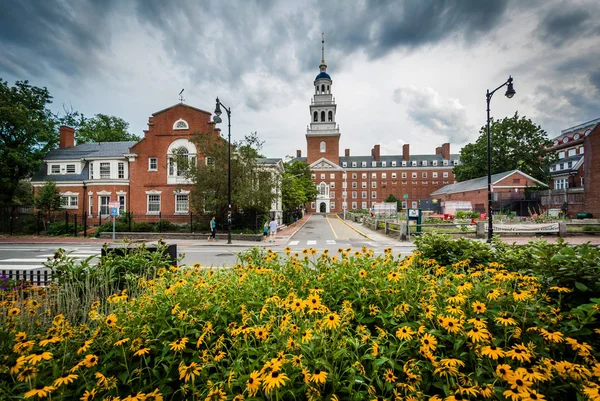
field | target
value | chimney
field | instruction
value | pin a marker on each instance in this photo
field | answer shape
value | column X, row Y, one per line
column 375, row 153
column 438, row 150
column 347, row 152
column 298, row 153
column 67, row 137
column 405, row 152
column 446, row 151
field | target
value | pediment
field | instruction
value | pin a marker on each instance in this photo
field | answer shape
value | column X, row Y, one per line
column 324, row 164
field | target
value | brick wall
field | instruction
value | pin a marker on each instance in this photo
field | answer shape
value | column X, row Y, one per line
column 592, row 172
column 332, row 151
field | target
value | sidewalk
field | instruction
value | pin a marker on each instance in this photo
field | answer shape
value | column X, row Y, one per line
column 518, row 240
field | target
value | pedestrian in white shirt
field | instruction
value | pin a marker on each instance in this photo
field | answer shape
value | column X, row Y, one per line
column 273, row 229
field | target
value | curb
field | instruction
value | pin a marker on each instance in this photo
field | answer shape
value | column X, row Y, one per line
column 352, row 227
column 299, row 228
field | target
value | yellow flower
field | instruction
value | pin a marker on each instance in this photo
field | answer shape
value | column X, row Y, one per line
column 297, row 305
column 506, row 321
column 307, row 336
column 89, row 361
column 66, row 378
column 274, row 380
column 518, row 382
column 27, row 374
column 189, row 372
column 261, row 333
column 521, row 295
column 478, row 307
column 179, row 345
column 405, row 333
column 216, row 395
column 362, row 273
column 142, row 351
column 121, row 342
column 332, row 321
column 520, row 353
column 493, row 352
column 84, row 347
column 39, row 356
column 153, row 396
column 429, row 342
column 14, row 312
column 451, row 324
column 253, row 383
column 111, row 320
column 555, row 336
column 531, row 395
column 88, row 395
column 389, row 376
column 504, row 371
column 478, row 335
column 319, row 377
column 39, row 391
column 313, row 301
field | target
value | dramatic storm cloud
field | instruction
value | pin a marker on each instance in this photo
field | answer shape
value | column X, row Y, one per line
column 410, row 71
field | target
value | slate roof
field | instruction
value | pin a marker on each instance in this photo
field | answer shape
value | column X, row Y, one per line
column 477, row 183
column 91, row 150
column 389, row 159
column 268, row 160
column 576, row 160
column 41, row 175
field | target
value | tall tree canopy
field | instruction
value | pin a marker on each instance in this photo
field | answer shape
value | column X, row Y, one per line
column 251, row 183
column 297, row 188
column 103, row 128
column 27, row 133
column 517, row 143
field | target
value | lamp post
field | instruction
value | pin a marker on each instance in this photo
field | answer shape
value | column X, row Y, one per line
column 217, row 119
column 510, row 92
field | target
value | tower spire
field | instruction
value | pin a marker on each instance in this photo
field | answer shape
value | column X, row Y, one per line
column 322, row 47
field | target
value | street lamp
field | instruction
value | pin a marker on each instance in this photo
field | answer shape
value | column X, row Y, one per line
column 510, row 92
column 217, row 119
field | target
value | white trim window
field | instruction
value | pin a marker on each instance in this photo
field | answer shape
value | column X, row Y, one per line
column 121, row 169
column 180, row 124
column 354, row 205
column 121, row 199
column 90, row 205
column 70, row 169
column 153, row 203
column 153, row 164
column 445, row 174
column 414, row 204
column 182, row 203
column 91, row 171
column 55, row 169
column 104, row 170
column 69, row 201
column 322, row 147
column 103, row 202
column 363, row 205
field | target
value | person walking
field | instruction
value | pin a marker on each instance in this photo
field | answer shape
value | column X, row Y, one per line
column 273, row 229
column 213, row 229
column 265, row 230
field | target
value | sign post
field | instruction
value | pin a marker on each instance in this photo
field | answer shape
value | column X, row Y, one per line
column 114, row 212
column 407, row 226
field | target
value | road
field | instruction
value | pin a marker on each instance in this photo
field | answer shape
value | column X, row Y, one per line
column 320, row 232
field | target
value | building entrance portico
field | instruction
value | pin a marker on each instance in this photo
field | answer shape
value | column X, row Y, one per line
column 323, row 207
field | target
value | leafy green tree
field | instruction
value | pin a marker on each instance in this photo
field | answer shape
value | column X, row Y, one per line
column 517, row 143
column 23, row 195
column 27, row 133
column 101, row 128
column 251, row 183
column 297, row 188
column 48, row 199
column 391, row 198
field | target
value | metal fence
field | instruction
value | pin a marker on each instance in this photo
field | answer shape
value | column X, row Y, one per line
column 35, row 276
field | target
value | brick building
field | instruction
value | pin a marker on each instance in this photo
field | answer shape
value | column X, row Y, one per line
column 571, row 181
column 356, row 182
column 142, row 176
column 506, row 187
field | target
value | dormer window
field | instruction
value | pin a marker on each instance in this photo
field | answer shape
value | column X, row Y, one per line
column 403, row 163
column 353, row 164
column 373, row 164
column 180, row 124
column 344, row 164
column 394, row 163
column 364, row 164
column 445, row 162
column 424, row 162
column 383, row 164
column 434, row 162
column 414, row 163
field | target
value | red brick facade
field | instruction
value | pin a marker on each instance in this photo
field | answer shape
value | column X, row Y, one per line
column 592, row 172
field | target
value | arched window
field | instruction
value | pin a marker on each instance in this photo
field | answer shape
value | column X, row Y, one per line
column 323, row 147
column 323, row 116
column 327, row 88
column 181, row 156
column 322, row 88
column 180, row 124
column 323, row 189
column 315, row 116
column 317, row 89
column 330, row 116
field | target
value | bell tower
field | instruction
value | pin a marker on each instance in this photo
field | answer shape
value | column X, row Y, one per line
column 323, row 134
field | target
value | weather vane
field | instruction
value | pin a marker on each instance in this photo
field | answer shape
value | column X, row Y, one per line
column 181, row 96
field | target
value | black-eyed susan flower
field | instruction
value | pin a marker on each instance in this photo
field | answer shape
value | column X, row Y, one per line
column 89, row 361
column 492, row 352
column 111, row 320
column 389, row 376
column 14, row 312
column 189, row 372
column 518, row 382
column 121, row 342
column 506, row 321
column 39, row 391
column 307, row 335
column 274, row 380
column 332, row 321
column 405, row 333
column 65, row 379
column 478, row 307
column 478, row 334
column 39, row 356
column 297, row 361
column 512, row 394
column 179, row 344
column 520, row 353
column 85, row 347
column 319, row 377
column 429, row 342
column 521, row 295
column 28, row 373
column 297, row 305
column 531, row 395
column 253, row 383
column 142, row 352
column 504, row 371
column 261, row 333
column 451, row 324
column 216, row 395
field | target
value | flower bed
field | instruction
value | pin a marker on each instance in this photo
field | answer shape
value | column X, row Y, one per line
column 348, row 326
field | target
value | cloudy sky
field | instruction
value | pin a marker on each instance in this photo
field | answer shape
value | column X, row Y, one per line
column 404, row 71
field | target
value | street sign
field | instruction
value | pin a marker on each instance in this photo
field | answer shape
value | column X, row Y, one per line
column 112, row 204
column 405, row 196
column 114, row 211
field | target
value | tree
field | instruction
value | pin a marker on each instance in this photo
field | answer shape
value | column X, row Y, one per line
column 297, row 187
column 391, row 198
column 102, row 128
column 251, row 184
column 517, row 143
column 48, row 199
column 27, row 133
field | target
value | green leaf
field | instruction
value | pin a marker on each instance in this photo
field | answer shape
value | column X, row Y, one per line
column 581, row 287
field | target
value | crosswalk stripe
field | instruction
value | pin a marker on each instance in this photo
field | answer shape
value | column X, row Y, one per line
column 20, row 267
column 330, row 242
column 24, row 260
column 73, row 255
column 311, row 242
column 292, row 243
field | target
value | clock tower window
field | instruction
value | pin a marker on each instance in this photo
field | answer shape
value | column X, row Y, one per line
column 323, row 147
